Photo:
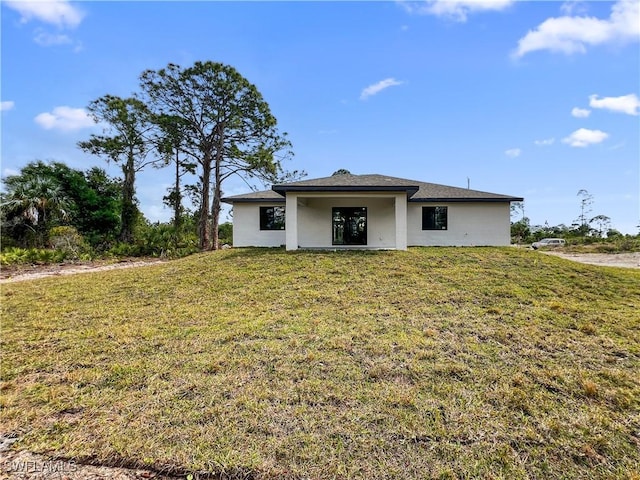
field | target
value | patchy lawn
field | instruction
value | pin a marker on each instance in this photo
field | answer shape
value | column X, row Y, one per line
column 264, row 364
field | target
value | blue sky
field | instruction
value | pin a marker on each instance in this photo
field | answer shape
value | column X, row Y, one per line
column 531, row 99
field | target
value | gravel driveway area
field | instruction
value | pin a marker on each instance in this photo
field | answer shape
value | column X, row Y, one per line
column 626, row 260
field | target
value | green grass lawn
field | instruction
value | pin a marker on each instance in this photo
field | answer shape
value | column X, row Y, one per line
column 443, row 363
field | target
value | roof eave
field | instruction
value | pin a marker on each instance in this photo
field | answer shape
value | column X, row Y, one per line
column 231, row 201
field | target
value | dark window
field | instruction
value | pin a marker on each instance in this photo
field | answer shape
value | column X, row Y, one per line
column 349, row 225
column 434, row 218
column 271, row 218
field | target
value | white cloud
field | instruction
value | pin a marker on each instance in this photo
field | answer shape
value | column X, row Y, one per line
column 580, row 112
column 456, row 10
column 65, row 119
column 8, row 172
column 7, row 105
column 573, row 6
column 584, row 137
column 513, row 152
column 572, row 34
column 629, row 104
column 545, row 142
column 55, row 12
column 46, row 39
column 376, row 88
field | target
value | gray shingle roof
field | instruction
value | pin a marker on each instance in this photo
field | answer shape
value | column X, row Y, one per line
column 417, row 191
column 263, row 196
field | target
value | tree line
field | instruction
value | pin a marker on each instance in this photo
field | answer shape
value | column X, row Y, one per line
column 584, row 229
column 206, row 120
column 78, row 213
column 47, row 195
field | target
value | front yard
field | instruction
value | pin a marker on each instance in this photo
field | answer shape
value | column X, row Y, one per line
column 438, row 362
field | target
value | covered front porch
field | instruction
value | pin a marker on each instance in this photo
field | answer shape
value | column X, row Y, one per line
column 342, row 220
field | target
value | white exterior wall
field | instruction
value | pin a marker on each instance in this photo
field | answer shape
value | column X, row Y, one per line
column 246, row 227
column 291, row 222
column 309, row 225
column 468, row 224
column 400, row 216
column 315, row 218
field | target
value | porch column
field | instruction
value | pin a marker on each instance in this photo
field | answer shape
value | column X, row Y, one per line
column 291, row 221
column 401, row 221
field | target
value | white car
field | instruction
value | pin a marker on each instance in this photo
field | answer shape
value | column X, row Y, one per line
column 548, row 242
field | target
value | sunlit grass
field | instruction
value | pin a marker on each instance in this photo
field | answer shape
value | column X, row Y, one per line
column 442, row 363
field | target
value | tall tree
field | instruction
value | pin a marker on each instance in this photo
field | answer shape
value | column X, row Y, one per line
column 603, row 222
column 586, row 200
column 99, row 207
column 229, row 130
column 125, row 141
column 170, row 141
column 517, row 209
column 520, row 227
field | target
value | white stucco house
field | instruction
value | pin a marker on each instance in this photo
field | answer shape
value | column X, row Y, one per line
column 369, row 211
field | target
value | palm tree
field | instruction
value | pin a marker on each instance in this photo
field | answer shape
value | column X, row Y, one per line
column 36, row 200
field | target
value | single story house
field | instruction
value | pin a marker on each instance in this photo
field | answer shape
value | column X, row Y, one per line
column 369, row 211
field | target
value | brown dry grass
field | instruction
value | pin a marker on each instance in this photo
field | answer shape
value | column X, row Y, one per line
column 431, row 363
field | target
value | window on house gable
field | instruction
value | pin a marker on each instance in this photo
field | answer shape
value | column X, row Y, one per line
column 271, row 218
column 434, row 218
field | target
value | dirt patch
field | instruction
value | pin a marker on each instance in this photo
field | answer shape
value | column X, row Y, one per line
column 33, row 272
column 626, row 260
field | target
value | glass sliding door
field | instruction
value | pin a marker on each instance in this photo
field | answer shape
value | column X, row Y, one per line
column 349, row 225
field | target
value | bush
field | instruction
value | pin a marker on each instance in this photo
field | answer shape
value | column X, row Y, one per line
column 23, row 256
column 225, row 233
column 158, row 240
column 67, row 239
column 628, row 244
column 124, row 250
column 617, row 244
column 606, row 248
